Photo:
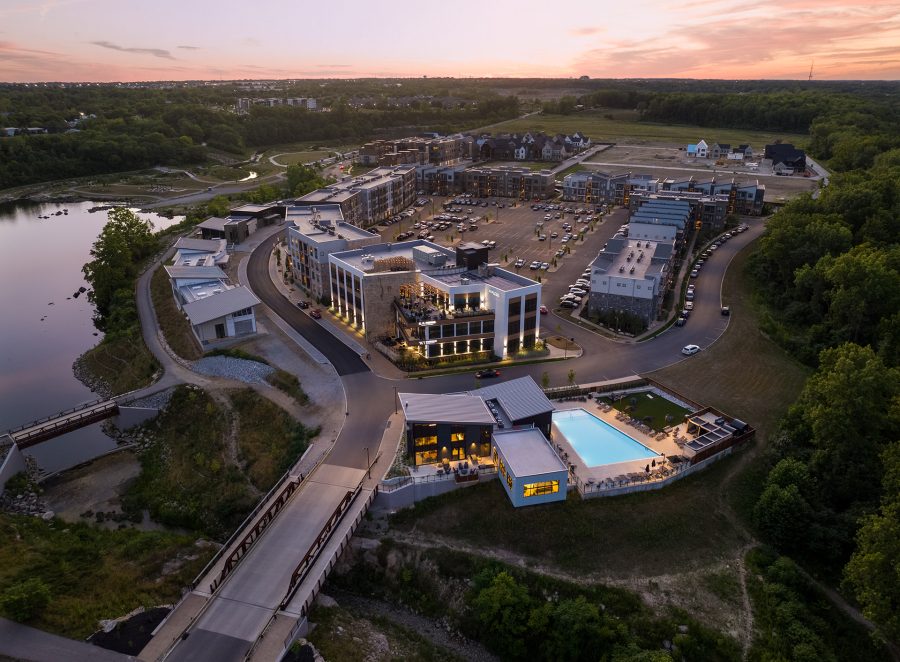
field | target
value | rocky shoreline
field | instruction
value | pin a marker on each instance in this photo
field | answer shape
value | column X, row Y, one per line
column 85, row 376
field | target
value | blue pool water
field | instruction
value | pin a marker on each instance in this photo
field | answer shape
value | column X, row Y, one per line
column 596, row 441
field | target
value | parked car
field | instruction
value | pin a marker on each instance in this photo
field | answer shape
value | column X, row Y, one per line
column 690, row 350
column 486, row 374
column 568, row 303
column 544, row 310
column 554, row 235
column 681, row 321
column 545, row 266
column 520, row 263
column 689, row 305
column 543, row 237
column 726, row 311
column 577, row 291
column 303, row 304
column 689, row 296
column 316, row 314
column 694, row 273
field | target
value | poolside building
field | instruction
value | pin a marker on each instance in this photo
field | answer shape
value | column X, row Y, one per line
column 530, row 470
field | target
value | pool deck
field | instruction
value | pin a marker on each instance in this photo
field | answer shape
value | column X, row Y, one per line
column 657, row 442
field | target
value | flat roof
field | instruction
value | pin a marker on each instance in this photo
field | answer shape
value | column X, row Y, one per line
column 627, row 257
column 500, row 279
column 520, row 398
column 527, row 452
column 198, row 291
column 206, row 272
column 445, row 408
column 214, row 223
column 325, row 212
column 205, row 245
column 219, row 305
column 364, row 259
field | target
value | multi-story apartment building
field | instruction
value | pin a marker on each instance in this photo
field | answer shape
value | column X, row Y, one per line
column 509, row 182
column 660, row 220
column 595, row 188
column 709, row 210
column 436, row 299
column 313, row 233
column 417, row 149
column 370, row 198
column 441, row 180
column 631, row 275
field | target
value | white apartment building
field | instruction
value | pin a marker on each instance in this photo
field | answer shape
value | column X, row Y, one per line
column 314, row 233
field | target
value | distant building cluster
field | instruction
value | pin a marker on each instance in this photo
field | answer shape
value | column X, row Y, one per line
column 244, row 104
column 719, row 151
column 715, row 198
column 531, row 146
column 417, row 150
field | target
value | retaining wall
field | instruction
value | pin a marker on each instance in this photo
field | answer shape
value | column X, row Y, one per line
column 13, row 463
column 407, row 495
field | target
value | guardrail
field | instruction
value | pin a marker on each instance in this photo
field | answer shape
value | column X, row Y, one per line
column 243, row 525
column 313, row 552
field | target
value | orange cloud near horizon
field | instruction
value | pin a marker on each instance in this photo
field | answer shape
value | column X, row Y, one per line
column 108, row 41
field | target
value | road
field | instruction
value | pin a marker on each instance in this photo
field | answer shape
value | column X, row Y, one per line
column 238, row 612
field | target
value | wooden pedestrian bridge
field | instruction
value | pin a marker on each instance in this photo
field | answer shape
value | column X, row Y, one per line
column 68, row 420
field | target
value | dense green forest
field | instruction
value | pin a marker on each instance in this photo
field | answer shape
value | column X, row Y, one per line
column 140, row 128
column 827, row 272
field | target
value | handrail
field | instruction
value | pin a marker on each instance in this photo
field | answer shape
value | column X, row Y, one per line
column 64, row 412
column 69, row 420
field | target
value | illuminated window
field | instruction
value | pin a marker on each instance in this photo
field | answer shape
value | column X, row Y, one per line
column 457, row 433
column 509, row 480
column 500, row 466
column 426, row 457
column 537, row 489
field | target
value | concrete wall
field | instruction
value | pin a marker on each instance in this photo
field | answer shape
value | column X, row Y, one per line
column 408, row 495
column 378, row 292
column 13, row 463
column 128, row 417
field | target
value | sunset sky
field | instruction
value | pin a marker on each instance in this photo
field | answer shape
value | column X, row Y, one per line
column 127, row 40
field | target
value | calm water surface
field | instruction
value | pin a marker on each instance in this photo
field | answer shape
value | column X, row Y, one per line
column 43, row 327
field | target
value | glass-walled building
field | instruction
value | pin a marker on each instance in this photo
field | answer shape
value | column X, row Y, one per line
column 439, row 301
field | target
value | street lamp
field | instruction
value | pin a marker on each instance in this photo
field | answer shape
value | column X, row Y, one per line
column 368, row 465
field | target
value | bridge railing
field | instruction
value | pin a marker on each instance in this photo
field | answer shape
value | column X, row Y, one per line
column 64, row 412
column 259, row 506
column 98, row 411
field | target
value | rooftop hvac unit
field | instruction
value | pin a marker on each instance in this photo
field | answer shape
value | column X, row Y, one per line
column 464, row 280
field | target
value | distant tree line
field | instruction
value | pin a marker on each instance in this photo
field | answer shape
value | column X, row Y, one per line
column 138, row 129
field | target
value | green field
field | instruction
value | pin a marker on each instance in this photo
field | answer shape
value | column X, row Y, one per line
column 625, row 128
column 651, row 406
column 292, row 158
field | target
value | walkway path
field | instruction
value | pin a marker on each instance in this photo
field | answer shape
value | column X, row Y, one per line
column 21, row 642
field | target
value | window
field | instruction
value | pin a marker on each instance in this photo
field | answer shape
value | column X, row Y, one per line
column 538, row 489
column 243, row 312
column 509, row 480
column 457, row 433
column 515, row 307
column 426, row 457
column 425, row 435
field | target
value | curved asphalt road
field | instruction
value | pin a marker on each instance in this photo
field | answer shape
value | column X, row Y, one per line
column 370, row 397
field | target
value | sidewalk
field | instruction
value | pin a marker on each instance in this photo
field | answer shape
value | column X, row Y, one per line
column 379, row 364
column 21, row 642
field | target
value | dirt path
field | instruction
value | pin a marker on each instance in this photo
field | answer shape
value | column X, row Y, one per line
column 425, row 627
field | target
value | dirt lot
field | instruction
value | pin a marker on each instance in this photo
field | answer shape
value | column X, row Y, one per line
column 670, row 161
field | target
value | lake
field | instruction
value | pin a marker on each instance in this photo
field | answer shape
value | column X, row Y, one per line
column 44, row 327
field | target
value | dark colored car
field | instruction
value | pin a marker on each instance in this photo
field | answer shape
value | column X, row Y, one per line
column 316, row 314
column 726, row 311
column 484, row 374
column 680, row 321
column 303, row 304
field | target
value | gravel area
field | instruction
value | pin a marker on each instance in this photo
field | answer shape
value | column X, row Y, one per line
column 155, row 401
column 249, row 372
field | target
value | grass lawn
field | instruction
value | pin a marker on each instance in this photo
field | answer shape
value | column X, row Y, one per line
column 94, row 573
column 123, row 363
column 643, row 534
column 651, row 406
column 561, row 343
column 225, row 173
column 291, row 158
column 269, row 440
column 626, row 129
column 175, row 327
column 285, row 381
column 667, row 531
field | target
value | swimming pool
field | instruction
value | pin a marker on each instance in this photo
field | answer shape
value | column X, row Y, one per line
column 596, row 441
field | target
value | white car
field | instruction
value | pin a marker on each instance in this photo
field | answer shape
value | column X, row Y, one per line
column 688, row 305
column 690, row 350
column 520, row 262
column 577, row 291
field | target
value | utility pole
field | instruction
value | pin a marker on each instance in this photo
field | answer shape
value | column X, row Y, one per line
column 396, row 398
column 368, row 465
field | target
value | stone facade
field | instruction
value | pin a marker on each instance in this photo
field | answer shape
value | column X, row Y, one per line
column 648, row 309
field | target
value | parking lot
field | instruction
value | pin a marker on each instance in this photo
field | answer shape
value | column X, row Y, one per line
column 512, row 227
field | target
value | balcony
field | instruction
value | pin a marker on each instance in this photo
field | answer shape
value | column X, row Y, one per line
column 418, row 310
